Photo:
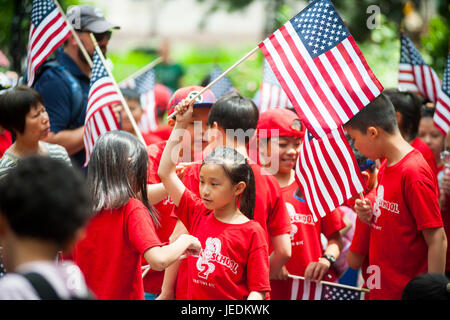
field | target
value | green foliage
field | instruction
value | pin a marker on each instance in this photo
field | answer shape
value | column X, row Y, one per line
column 436, row 43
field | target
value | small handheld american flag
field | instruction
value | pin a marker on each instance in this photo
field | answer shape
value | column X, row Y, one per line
column 48, row 30
column 223, row 86
column 442, row 113
column 272, row 95
column 327, row 172
column 320, row 67
column 99, row 114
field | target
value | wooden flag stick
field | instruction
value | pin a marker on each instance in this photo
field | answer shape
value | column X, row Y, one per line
column 122, row 99
column 333, row 284
column 142, row 70
column 219, row 77
column 75, row 35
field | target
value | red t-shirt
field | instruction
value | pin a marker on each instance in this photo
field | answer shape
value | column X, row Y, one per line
column 305, row 241
column 270, row 210
column 406, row 204
column 163, row 132
column 5, row 142
column 153, row 279
column 110, row 254
column 151, row 138
column 427, row 154
column 234, row 260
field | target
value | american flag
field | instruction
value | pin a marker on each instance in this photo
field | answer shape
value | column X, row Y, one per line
column 144, row 84
column 310, row 290
column 99, row 114
column 48, row 30
column 223, row 86
column 320, row 67
column 327, row 172
column 442, row 113
column 414, row 74
column 272, row 95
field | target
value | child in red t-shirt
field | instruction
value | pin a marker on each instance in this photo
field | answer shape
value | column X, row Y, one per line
column 279, row 137
column 193, row 139
column 233, row 263
column 407, row 236
column 122, row 228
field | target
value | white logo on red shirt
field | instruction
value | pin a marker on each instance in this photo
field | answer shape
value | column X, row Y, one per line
column 381, row 203
column 298, row 217
column 210, row 254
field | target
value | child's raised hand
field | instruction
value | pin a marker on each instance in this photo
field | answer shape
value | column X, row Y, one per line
column 364, row 210
column 184, row 110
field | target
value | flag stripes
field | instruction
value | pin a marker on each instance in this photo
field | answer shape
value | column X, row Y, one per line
column 441, row 116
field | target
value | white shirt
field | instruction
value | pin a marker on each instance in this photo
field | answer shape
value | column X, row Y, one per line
column 66, row 279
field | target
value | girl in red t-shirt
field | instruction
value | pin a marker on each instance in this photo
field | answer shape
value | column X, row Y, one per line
column 234, row 261
column 122, row 228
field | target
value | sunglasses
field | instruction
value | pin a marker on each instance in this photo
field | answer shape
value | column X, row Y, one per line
column 99, row 36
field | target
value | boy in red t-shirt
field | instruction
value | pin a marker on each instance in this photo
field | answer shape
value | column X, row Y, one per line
column 193, row 139
column 407, row 236
column 279, row 137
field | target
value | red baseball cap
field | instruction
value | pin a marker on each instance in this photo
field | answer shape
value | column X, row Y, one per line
column 287, row 122
column 162, row 96
column 205, row 100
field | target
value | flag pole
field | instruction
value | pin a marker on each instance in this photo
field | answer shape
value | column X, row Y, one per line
column 75, row 35
column 333, row 284
column 122, row 99
column 143, row 70
column 219, row 77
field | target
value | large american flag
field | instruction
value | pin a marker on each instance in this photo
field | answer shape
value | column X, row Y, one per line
column 310, row 290
column 144, row 84
column 223, row 86
column 320, row 67
column 414, row 74
column 99, row 114
column 272, row 95
column 48, row 30
column 327, row 172
column 442, row 112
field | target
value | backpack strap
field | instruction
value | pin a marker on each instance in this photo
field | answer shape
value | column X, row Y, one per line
column 44, row 290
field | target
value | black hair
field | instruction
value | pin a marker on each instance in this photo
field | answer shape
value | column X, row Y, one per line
column 117, row 172
column 408, row 104
column 15, row 105
column 44, row 198
column 427, row 286
column 234, row 112
column 427, row 111
column 378, row 113
column 237, row 169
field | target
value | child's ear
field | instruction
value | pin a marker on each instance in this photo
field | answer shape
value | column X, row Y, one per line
column 373, row 132
column 239, row 188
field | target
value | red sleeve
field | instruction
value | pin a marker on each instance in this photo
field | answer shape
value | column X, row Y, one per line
column 279, row 221
column 361, row 238
column 141, row 229
column 422, row 196
column 258, row 262
column 191, row 178
column 190, row 209
column 332, row 223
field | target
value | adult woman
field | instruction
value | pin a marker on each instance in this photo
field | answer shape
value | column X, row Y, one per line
column 22, row 113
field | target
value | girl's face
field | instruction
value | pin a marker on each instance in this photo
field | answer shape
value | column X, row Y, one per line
column 37, row 125
column 216, row 188
column 431, row 136
column 137, row 112
column 286, row 149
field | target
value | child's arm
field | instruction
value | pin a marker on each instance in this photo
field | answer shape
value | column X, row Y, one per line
column 437, row 248
column 355, row 260
column 159, row 258
column 167, row 166
column 156, row 193
column 281, row 253
column 256, row 295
